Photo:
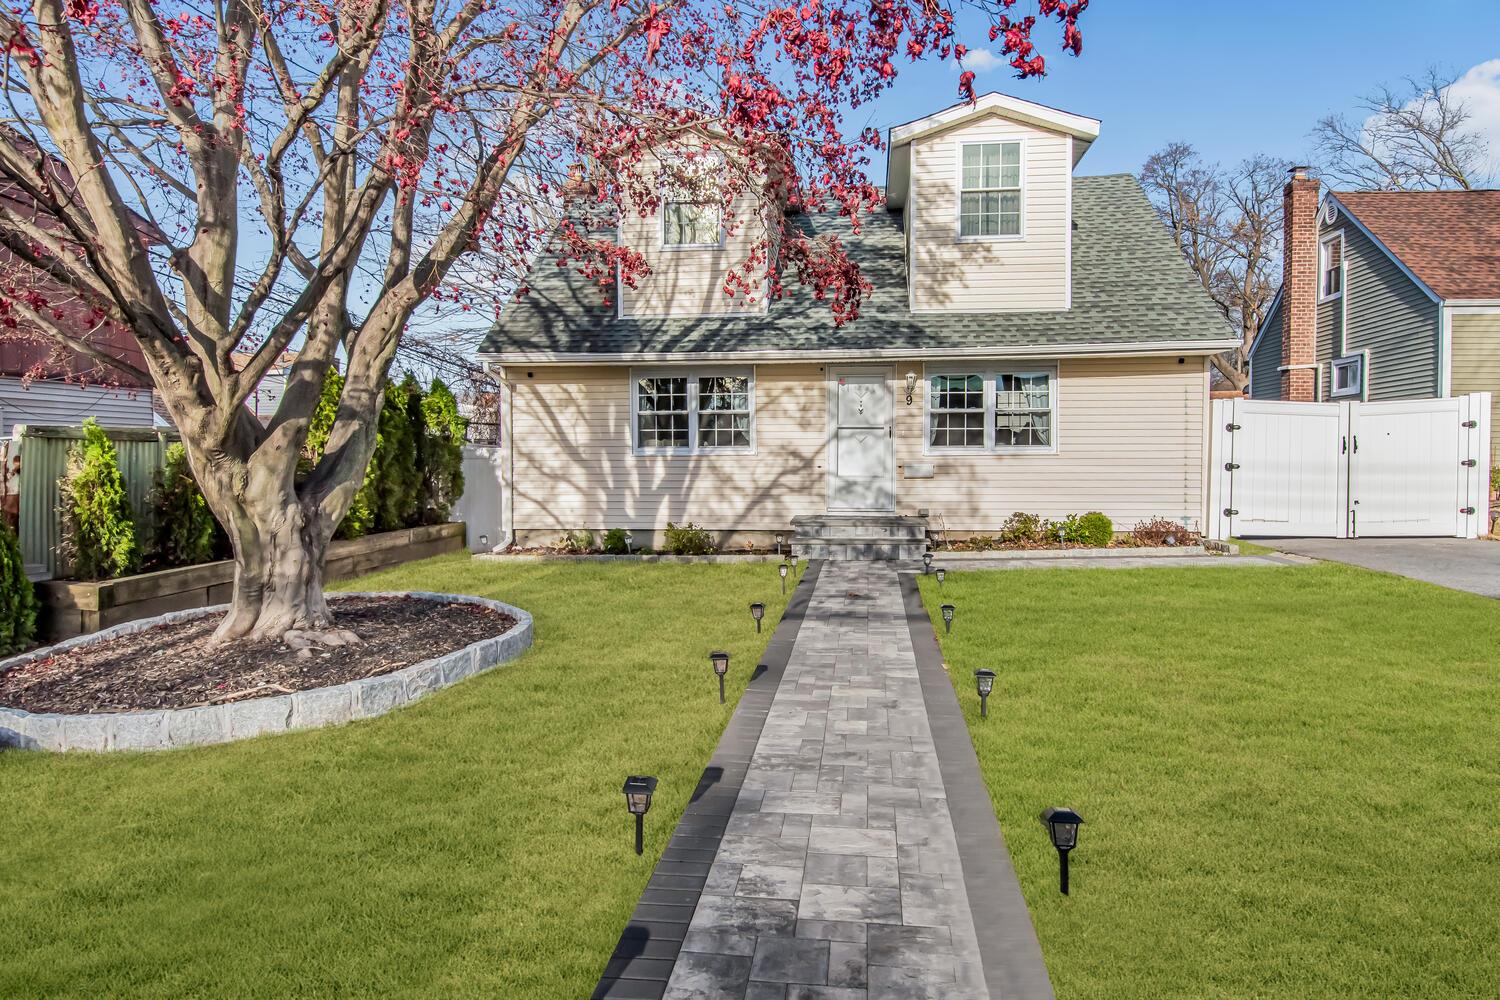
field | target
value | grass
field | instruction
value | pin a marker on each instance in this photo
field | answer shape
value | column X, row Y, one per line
column 1288, row 775
column 473, row 844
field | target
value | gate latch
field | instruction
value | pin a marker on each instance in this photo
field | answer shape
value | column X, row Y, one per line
column 1470, row 424
column 1231, row 427
column 1466, row 510
column 1230, row 512
column 1231, row 466
column 1469, row 463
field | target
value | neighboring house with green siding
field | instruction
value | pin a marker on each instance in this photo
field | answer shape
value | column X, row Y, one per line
column 1400, row 289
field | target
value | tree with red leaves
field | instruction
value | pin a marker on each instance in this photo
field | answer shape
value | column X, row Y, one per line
column 320, row 170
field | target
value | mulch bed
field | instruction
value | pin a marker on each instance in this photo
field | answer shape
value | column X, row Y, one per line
column 168, row 667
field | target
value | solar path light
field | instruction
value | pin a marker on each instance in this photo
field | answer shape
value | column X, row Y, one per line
column 757, row 611
column 942, row 575
column 984, row 682
column 783, row 569
column 1062, row 826
column 947, row 610
column 720, row 661
column 926, row 562
column 778, row 545
column 638, row 791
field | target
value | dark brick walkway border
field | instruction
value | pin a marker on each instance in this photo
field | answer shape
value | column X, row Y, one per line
column 642, row 961
column 1011, row 954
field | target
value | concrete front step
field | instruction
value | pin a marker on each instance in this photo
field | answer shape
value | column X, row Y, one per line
column 860, row 527
column 874, row 550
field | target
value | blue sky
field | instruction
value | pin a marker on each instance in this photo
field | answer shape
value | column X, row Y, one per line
column 1232, row 77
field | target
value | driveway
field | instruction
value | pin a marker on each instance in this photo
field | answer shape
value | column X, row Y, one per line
column 1448, row 562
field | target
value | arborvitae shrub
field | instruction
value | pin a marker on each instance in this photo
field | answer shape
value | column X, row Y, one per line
column 182, row 526
column 442, row 453
column 98, row 526
column 18, row 604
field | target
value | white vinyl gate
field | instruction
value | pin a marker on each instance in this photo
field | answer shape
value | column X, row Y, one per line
column 1350, row 469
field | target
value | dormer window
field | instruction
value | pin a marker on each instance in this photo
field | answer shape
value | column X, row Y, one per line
column 989, row 190
column 691, row 215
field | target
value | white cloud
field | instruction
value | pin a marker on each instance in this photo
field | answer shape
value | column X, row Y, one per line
column 1479, row 88
column 983, row 60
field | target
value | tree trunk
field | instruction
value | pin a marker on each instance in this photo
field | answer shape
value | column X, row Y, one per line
column 279, row 548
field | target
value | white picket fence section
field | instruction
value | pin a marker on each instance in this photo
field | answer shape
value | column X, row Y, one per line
column 1350, row 469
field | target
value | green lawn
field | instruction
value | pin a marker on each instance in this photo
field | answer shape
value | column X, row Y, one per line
column 474, row 844
column 1290, row 776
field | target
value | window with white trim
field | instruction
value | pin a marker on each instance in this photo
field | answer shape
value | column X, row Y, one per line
column 1347, row 376
column 682, row 413
column 989, row 200
column 1331, row 267
column 691, row 214
column 1004, row 409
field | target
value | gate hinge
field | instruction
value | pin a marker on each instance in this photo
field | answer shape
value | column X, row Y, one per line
column 1231, row 466
column 1230, row 512
column 1466, row 510
column 1471, row 424
column 1231, row 427
column 1469, row 463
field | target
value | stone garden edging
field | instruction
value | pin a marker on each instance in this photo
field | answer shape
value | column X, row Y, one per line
column 165, row 729
column 640, row 557
column 1152, row 552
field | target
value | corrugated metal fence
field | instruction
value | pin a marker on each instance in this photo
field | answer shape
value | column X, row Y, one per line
column 44, row 459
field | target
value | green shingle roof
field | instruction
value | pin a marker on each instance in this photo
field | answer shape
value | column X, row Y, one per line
column 1130, row 286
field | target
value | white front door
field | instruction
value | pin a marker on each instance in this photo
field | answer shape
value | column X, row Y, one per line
column 862, row 460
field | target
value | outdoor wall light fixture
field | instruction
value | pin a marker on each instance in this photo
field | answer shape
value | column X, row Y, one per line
column 926, row 562
column 757, row 611
column 783, row 569
column 947, row 610
column 484, row 542
column 942, row 575
column 984, row 681
column 911, row 386
column 1062, row 826
column 720, row 660
column 638, row 791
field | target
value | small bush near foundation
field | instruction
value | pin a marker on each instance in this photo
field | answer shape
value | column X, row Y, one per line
column 18, row 603
column 615, row 543
column 1092, row 529
column 1158, row 530
column 688, row 540
column 577, row 542
column 1022, row 529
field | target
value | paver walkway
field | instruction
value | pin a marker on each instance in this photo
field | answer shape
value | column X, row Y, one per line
column 839, row 876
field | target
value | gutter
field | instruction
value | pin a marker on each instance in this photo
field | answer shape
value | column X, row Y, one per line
column 1138, row 350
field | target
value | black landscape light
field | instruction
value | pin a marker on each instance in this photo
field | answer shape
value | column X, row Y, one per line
column 926, row 562
column 778, row 545
column 947, row 610
column 720, row 660
column 942, row 575
column 629, row 543
column 757, row 611
column 1171, row 540
column 638, row 791
column 783, row 569
column 984, row 681
column 484, row 542
column 1062, row 826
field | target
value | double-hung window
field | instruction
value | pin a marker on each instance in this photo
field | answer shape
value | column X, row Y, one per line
column 1331, row 267
column 989, row 200
column 1002, row 409
column 686, row 412
column 691, row 215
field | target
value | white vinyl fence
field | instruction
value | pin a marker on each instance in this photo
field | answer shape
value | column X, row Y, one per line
column 485, row 501
column 1350, row 469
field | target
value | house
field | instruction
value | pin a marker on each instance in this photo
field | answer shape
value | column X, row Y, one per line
column 1033, row 342
column 1386, row 295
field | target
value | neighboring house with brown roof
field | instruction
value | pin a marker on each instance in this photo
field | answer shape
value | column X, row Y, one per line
column 1387, row 295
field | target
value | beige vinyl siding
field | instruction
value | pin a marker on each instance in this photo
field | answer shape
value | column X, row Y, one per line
column 1265, row 358
column 1476, row 365
column 1130, row 443
column 575, row 468
column 1030, row 273
column 1389, row 315
column 690, row 281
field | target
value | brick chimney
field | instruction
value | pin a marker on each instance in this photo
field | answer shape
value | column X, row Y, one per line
column 1299, row 277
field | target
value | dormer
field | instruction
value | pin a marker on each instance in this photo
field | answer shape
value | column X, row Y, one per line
column 986, row 194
